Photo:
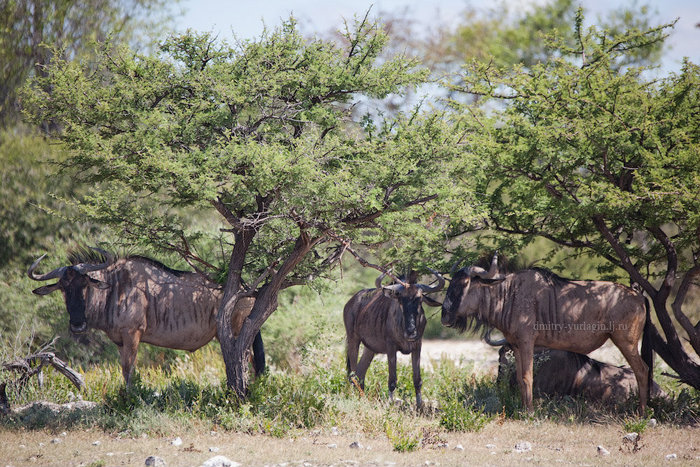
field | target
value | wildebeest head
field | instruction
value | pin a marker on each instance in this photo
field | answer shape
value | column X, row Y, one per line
column 410, row 297
column 73, row 282
column 461, row 306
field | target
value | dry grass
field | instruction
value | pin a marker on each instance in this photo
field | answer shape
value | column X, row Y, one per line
column 565, row 433
column 552, row 444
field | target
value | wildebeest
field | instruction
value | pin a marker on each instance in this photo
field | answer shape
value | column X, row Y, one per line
column 536, row 307
column 388, row 319
column 138, row 299
column 563, row 373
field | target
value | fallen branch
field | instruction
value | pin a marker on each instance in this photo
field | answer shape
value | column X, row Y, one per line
column 34, row 365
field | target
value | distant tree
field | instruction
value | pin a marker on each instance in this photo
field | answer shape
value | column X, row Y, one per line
column 504, row 37
column 599, row 159
column 32, row 30
column 256, row 140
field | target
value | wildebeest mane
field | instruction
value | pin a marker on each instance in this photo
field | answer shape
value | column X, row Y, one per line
column 551, row 277
column 88, row 255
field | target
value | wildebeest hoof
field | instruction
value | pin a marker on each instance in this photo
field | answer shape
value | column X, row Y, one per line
column 80, row 329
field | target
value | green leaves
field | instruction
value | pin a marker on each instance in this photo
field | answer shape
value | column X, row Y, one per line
column 263, row 130
column 584, row 139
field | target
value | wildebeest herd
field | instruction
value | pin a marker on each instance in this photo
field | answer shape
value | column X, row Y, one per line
column 138, row 299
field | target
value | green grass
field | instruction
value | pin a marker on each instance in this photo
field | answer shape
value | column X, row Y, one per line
column 286, row 402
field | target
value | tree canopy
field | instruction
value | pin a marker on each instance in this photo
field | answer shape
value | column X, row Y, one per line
column 596, row 156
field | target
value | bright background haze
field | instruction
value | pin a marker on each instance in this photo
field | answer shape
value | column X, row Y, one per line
column 246, row 19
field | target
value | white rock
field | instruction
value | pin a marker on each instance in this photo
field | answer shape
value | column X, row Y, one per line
column 213, row 449
column 631, row 437
column 176, row 442
column 523, row 446
column 491, row 446
column 56, row 440
column 155, row 461
column 220, row 461
column 334, row 431
column 64, row 434
column 355, row 445
column 331, row 446
column 96, row 443
column 459, row 447
column 602, row 451
column 670, row 457
column 652, row 422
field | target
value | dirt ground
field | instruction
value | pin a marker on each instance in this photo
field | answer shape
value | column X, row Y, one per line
column 485, row 357
column 551, row 444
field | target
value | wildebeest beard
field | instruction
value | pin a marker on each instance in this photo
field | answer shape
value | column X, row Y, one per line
column 474, row 324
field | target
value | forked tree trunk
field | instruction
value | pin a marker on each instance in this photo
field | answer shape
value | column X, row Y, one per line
column 235, row 349
column 671, row 349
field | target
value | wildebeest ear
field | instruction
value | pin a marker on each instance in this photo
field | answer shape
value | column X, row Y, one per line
column 430, row 302
column 97, row 284
column 47, row 289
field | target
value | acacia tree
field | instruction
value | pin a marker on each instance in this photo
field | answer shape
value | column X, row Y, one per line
column 594, row 156
column 255, row 139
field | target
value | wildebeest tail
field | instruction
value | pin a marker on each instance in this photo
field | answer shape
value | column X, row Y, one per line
column 647, row 348
column 258, row 355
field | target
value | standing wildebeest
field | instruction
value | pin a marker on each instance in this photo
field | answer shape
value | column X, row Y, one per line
column 388, row 319
column 138, row 299
column 536, row 307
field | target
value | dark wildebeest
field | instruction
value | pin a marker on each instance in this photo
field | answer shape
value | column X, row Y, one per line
column 563, row 373
column 388, row 319
column 536, row 307
column 138, row 299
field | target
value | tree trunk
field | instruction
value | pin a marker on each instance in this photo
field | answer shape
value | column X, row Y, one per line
column 671, row 349
column 235, row 349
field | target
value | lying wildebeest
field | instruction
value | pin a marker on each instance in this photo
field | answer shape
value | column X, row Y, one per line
column 536, row 307
column 563, row 373
column 388, row 319
column 138, row 299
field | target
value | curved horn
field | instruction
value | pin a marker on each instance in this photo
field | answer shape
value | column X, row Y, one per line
column 492, row 273
column 498, row 343
column 55, row 274
column 455, row 267
column 378, row 282
column 84, row 268
column 435, row 288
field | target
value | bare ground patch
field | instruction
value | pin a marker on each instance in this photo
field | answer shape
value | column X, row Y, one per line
column 551, row 444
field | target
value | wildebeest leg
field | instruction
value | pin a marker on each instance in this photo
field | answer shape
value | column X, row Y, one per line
column 391, row 359
column 641, row 370
column 353, row 348
column 417, row 382
column 524, row 355
column 258, row 355
column 367, row 356
column 128, row 351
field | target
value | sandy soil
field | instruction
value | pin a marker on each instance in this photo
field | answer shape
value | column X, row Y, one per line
column 485, row 357
column 551, row 444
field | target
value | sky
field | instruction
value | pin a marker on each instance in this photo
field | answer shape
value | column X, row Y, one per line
column 246, row 19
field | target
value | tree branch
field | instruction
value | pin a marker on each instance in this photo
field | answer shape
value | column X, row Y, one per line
column 693, row 335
